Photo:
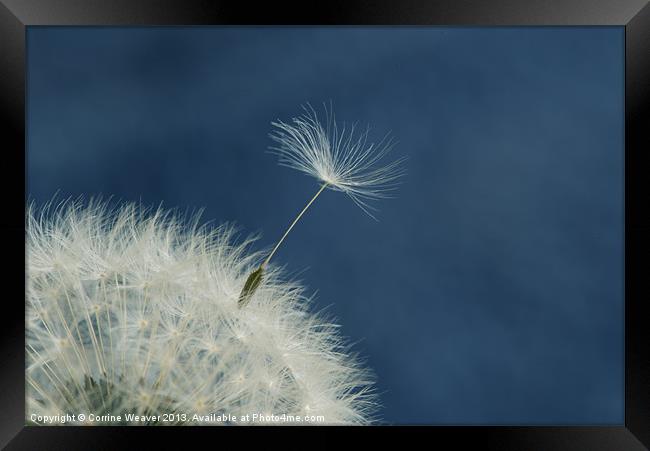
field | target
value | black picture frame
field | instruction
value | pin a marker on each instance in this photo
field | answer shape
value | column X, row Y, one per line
column 633, row 15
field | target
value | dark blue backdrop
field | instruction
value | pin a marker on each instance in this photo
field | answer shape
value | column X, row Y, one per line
column 491, row 290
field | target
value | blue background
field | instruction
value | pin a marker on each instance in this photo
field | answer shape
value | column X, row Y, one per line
column 491, row 290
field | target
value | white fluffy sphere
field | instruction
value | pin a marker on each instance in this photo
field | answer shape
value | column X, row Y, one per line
column 135, row 312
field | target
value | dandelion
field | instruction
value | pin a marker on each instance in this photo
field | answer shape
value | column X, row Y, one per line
column 341, row 159
column 133, row 314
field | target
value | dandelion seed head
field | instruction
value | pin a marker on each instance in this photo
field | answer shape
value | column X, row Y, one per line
column 134, row 310
column 339, row 155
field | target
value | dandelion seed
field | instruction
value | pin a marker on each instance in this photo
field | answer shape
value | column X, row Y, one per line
column 342, row 159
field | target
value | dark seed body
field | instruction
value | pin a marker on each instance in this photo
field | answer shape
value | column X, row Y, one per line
column 250, row 286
